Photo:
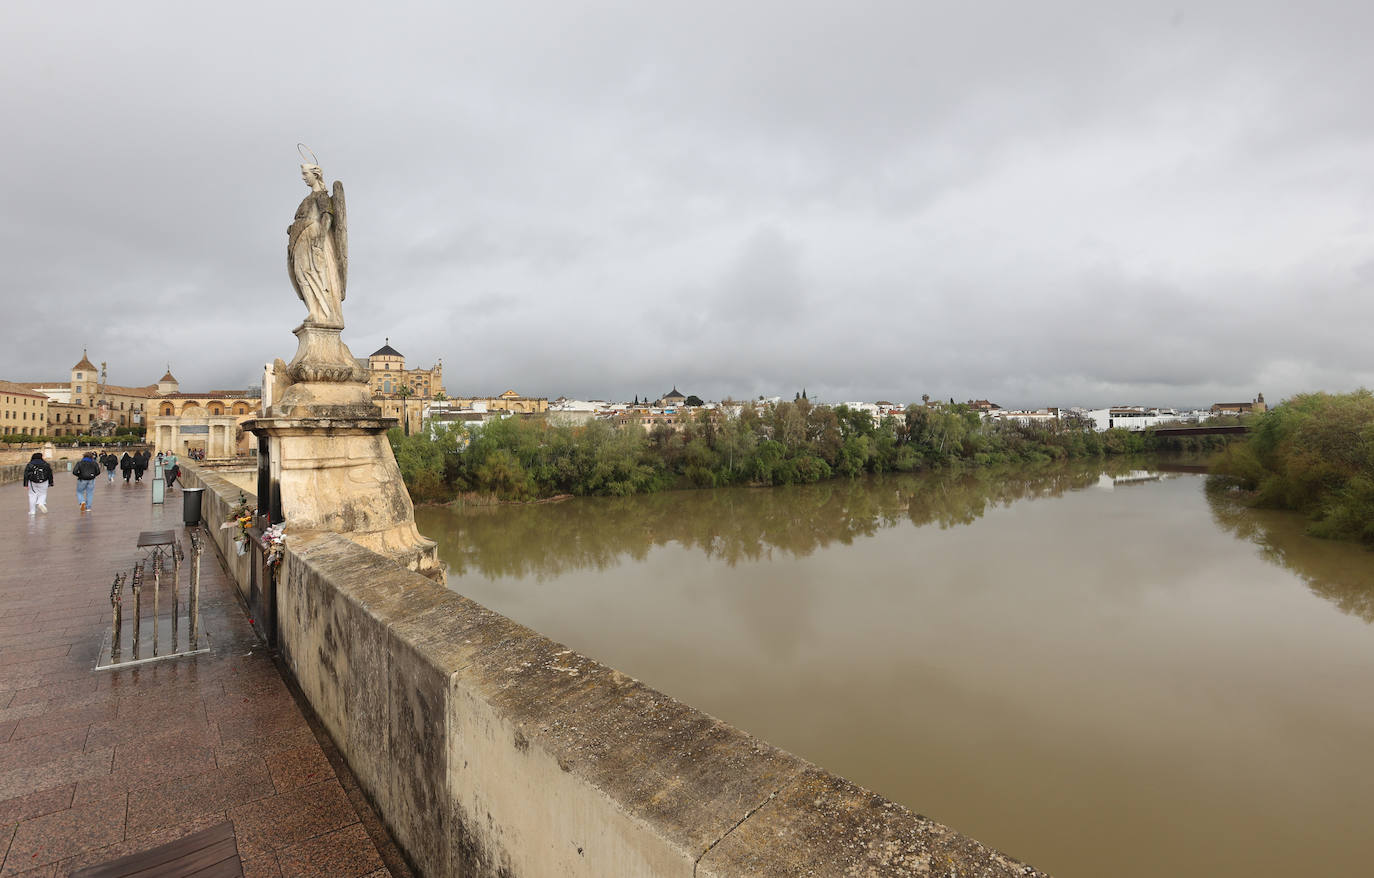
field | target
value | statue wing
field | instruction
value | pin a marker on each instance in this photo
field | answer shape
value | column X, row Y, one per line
column 341, row 236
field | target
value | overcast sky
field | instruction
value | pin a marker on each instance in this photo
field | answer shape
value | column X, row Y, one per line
column 1040, row 203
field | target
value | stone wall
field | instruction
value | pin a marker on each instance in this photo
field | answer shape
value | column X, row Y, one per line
column 220, row 498
column 492, row 751
column 12, row 472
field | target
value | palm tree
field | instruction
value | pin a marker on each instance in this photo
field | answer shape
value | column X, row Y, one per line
column 405, row 392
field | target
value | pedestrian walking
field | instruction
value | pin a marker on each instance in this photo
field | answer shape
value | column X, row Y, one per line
column 173, row 472
column 110, row 462
column 126, row 466
column 37, row 479
column 140, row 464
column 86, row 472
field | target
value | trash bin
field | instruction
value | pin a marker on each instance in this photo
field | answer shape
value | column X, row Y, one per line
column 190, row 505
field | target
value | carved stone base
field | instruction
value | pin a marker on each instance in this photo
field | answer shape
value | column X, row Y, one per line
column 322, row 357
column 323, row 380
column 338, row 474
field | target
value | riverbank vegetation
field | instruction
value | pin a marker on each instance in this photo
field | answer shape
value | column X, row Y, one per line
column 1313, row 454
column 788, row 443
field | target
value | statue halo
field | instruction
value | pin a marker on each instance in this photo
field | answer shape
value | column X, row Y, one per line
column 302, row 149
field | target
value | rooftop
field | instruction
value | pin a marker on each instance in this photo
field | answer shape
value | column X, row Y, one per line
column 20, row 389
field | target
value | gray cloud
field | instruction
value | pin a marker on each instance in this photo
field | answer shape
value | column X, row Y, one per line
column 1051, row 203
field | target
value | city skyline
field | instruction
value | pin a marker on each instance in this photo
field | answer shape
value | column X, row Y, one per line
column 1059, row 205
column 639, row 398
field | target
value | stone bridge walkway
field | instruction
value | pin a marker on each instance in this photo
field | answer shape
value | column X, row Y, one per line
column 98, row 764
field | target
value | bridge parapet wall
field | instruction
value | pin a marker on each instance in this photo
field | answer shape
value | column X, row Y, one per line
column 493, row 751
column 220, row 499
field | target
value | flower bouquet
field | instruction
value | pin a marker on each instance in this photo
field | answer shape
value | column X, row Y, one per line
column 242, row 518
column 273, row 541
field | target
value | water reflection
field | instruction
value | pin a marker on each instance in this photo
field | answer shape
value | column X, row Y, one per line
column 736, row 525
column 1340, row 572
column 1111, row 682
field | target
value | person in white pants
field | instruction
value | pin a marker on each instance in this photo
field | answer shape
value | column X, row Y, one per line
column 38, row 496
column 37, row 478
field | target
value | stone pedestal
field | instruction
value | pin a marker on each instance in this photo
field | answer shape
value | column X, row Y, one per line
column 323, row 377
column 328, row 464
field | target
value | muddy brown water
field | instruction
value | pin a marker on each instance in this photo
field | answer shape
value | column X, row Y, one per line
column 1103, row 672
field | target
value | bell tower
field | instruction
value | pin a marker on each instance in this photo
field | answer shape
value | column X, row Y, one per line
column 85, row 378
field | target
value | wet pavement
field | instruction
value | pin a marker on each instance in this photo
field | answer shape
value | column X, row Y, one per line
column 98, row 764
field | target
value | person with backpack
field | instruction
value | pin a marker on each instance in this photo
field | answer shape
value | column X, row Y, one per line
column 86, row 472
column 37, row 478
column 110, row 462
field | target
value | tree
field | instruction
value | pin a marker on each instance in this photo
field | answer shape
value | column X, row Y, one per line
column 694, row 400
column 404, row 392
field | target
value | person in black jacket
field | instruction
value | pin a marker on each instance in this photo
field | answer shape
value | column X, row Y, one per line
column 37, row 478
column 140, row 464
column 126, row 466
column 110, row 462
column 86, row 472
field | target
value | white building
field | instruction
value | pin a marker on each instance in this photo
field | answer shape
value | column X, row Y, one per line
column 1135, row 417
column 1038, row 416
column 578, row 411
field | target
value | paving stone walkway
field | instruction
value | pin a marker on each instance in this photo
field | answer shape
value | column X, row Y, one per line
column 98, row 764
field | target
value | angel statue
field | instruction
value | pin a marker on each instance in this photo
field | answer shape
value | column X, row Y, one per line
column 317, row 249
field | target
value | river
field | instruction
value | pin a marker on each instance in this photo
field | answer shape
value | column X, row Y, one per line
column 1100, row 670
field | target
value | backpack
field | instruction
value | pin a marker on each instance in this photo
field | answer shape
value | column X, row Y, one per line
column 38, row 472
column 86, row 469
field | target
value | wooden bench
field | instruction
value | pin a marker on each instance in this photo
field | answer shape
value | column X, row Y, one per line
column 210, row 853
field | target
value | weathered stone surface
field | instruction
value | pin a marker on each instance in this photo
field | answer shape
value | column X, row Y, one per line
column 337, row 473
column 493, row 751
column 217, row 503
column 317, row 249
column 823, row 825
column 322, row 358
column 327, row 461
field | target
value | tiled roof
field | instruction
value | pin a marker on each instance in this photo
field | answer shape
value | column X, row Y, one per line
column 19, row 389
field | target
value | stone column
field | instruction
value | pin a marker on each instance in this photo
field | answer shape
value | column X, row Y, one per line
column 331, row 464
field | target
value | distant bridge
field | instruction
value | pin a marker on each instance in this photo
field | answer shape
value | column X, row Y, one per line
column 1201, row 431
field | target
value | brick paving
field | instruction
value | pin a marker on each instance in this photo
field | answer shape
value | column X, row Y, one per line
column 98, row 764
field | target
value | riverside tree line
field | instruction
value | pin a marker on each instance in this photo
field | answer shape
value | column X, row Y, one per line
column 781, row 444
column 1312, row 454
